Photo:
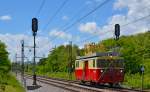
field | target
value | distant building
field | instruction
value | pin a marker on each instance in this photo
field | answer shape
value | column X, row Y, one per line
column 93, row 48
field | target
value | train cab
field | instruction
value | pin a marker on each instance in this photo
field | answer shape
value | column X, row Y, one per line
column 100, row 68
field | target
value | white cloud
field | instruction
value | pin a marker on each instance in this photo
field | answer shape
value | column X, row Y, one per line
column 65, row 43
column 65, row 18
column 89, row 27
column 135, row 9
column 5, row 18
column 60, row 34
column 14, row 46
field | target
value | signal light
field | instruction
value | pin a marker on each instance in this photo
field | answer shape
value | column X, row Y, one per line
column 34, row 24
column 117, row 31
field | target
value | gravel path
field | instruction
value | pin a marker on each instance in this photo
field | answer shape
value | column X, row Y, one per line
column 41, row 87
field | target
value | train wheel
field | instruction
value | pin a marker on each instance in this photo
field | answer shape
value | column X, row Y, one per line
column 111, row 84
column 82, row 81
column 117, row 85
column 92, row 83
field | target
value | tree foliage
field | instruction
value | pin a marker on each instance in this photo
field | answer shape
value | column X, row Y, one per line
column 8, row 83
column 4, row 61
column 58, row 59
column 135, row 50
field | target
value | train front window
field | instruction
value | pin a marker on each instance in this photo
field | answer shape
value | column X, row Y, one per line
column 102, row 63
column 119, row 63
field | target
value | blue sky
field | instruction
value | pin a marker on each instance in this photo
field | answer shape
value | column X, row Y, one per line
column 16, row 15
column 21, row 13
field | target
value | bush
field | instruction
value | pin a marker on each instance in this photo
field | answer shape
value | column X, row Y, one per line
column 8, row 83
column 134, row 81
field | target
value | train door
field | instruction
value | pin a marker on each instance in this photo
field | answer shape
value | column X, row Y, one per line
column 85, row 71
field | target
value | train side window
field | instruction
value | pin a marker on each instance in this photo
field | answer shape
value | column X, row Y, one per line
column 77, row 64
column 93, row 62
column 119, row 63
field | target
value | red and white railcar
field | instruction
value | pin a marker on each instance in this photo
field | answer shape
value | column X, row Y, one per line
column 100, row 68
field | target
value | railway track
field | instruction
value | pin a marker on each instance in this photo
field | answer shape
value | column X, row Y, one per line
column 75, row 86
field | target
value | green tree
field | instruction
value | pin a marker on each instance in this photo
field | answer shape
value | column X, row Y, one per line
column 5, row 65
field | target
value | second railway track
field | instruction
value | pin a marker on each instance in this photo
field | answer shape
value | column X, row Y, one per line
column 75, row 86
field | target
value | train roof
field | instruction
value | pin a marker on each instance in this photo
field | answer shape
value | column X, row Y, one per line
column 98, row 54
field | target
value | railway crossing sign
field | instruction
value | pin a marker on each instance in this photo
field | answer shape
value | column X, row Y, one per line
column 142, row 68
column 142, row 77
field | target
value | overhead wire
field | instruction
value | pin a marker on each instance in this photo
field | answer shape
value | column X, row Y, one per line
column 83, row 17
column 73, row 17
column 55, row 14
column 146, row 7
column 78, row 20
column 110, row 24
column 131, row 22
column 40, row 8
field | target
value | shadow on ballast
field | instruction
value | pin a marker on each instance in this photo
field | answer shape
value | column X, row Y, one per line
column 33, row 87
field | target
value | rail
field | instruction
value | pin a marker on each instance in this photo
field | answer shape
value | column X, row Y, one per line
column 76, row 86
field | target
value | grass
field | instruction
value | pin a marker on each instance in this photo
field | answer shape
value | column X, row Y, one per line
column 8, row 83
column 131, row 80
column 63, row 75
column 134, row 81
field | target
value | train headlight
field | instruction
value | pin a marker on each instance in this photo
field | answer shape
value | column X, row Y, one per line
column 101, row 71
column 121, row 71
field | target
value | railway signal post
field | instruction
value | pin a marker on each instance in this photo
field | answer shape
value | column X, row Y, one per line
column 34, row 30
column 117, row 34
column 117, row 31
column 22, row 59
column 16, row 63
column 70, row 60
